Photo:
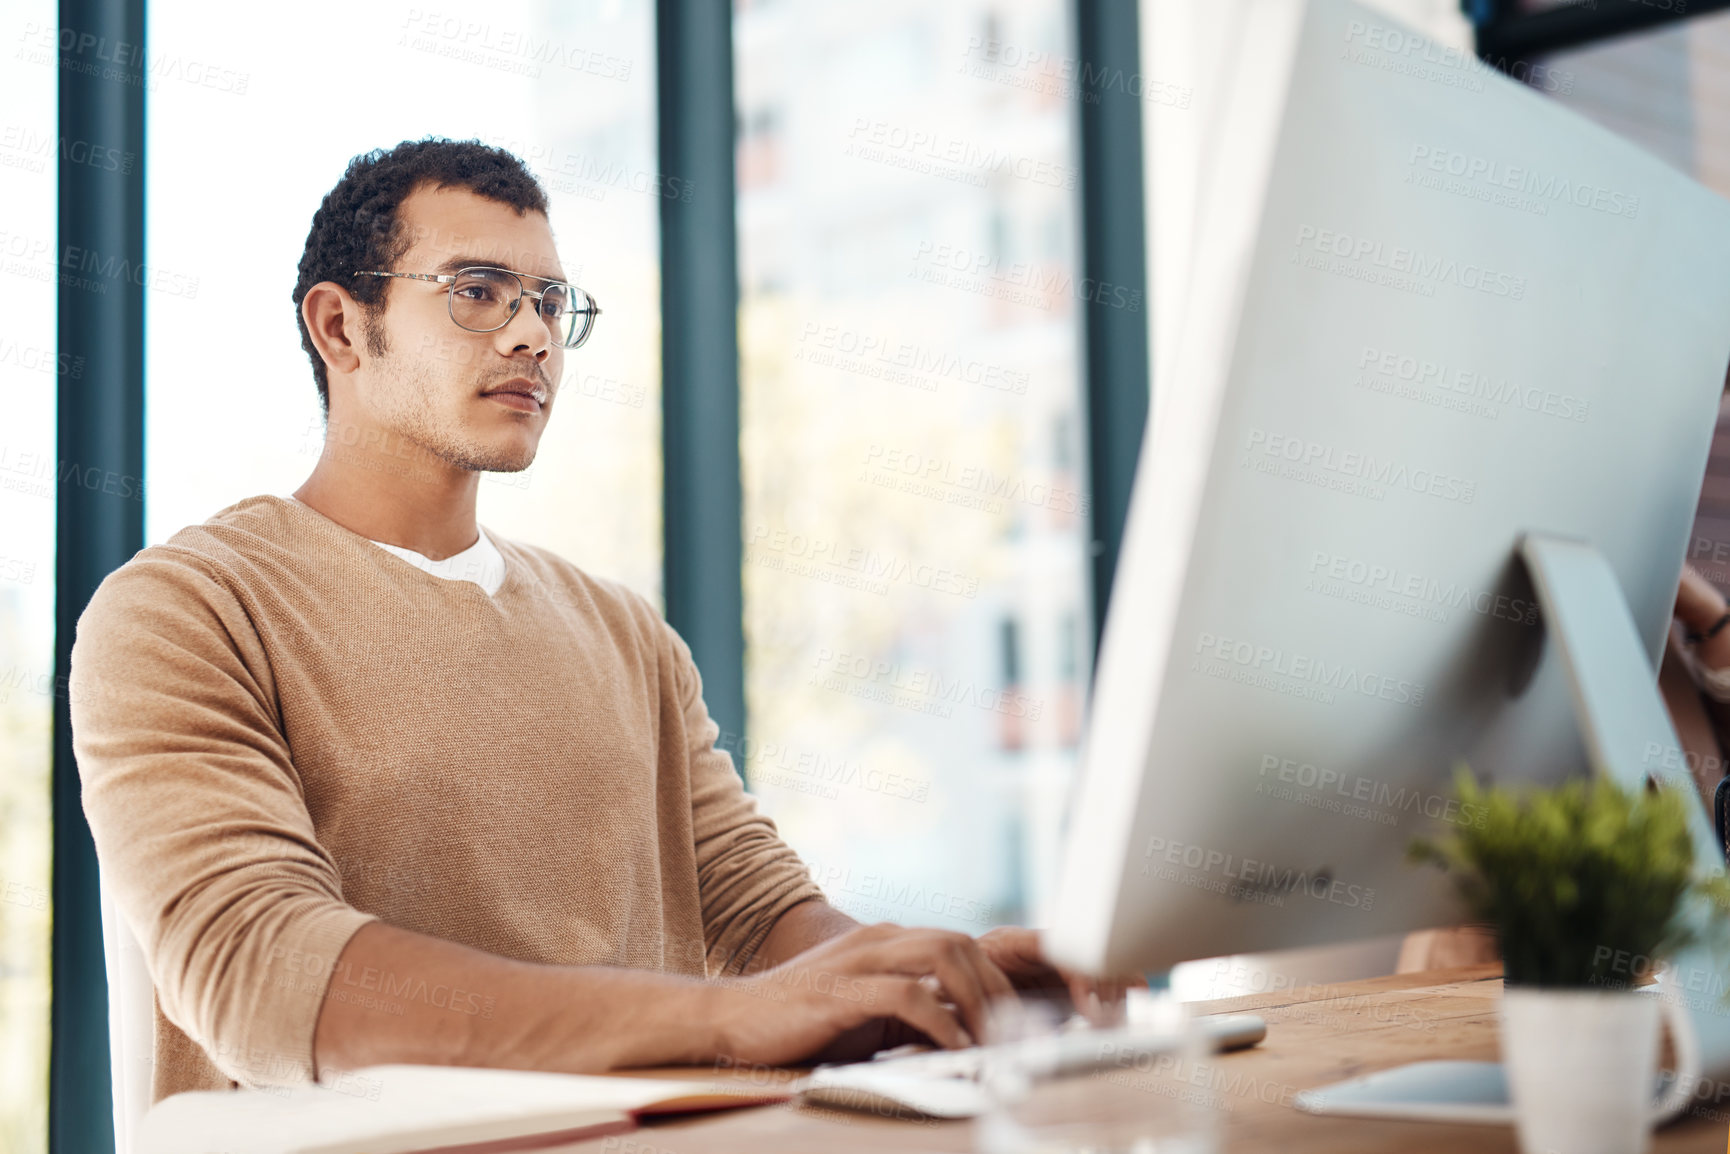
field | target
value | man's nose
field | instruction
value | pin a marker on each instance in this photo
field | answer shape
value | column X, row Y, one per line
column 527, row 331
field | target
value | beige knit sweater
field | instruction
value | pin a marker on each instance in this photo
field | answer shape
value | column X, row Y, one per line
column 285, row 731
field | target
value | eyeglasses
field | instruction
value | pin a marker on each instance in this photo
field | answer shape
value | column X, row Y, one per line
column 483, row 300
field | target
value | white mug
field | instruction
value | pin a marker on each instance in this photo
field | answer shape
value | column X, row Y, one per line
column 1580, row 1063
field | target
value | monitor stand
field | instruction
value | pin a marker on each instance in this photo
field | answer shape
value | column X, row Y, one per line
column 1629, row 738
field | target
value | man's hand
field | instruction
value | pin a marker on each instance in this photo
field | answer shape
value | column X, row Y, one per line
column 860, row 991
column 1016, row 952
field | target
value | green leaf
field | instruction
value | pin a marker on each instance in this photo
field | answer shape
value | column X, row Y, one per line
column 1584, row 884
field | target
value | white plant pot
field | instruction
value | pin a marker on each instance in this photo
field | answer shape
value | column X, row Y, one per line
column 1581, row 1066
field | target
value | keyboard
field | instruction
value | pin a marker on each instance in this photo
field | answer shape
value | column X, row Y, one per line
column 945, row 1083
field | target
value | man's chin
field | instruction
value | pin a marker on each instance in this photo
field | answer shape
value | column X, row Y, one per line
column 515, row 463
column 510, row 449
column 494, row 455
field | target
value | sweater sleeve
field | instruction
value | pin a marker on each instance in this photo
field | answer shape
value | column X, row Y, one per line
column 747, row 877
column 201, row 826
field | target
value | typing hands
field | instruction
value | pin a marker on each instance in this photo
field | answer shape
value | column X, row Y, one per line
column 874, row 987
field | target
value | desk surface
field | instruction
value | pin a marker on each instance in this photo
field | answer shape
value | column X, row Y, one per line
column 1315, row 1036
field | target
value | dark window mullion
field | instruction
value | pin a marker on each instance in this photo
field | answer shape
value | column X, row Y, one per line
column 703, row 549
column 1113, row 252
column 1509, row 40
column 100, row 263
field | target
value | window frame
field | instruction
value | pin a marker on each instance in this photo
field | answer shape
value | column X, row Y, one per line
column 100, row 418
column 1508, row 38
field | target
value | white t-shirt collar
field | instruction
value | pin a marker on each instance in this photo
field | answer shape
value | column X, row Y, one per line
column 481, row 562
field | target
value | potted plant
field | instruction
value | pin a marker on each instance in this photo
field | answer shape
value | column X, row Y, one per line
column 1586, row 886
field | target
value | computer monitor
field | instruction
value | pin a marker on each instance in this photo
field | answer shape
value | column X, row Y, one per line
column 1430, row 312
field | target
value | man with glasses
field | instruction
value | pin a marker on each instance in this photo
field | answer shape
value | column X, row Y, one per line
column 371, row 785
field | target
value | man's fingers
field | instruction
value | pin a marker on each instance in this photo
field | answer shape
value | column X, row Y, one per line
column 961, row 985
column 915, row 1004
column 1101, row 1000
column 985, row 982
column 969, row 978
column 996, row 982
column 958, row 969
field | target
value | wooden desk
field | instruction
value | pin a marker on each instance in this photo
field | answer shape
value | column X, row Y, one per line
column 1315, row 1036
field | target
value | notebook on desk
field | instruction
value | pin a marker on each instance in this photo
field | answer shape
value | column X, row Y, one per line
column 423, row 1109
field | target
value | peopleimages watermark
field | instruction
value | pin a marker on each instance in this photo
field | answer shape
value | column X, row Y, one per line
column 382, row 450
column 1511, row 185
column 888, row 358
column 1248, row 879
column 340, row 980
column 484, row 251
column 36, row 474
column 1460, row 388
column 1019, row 282
column 17, row 570
column 1209, row 1085
column 812, row 569
column 968, row 486
column 1674, row 759
column 22, row 147
column 617, row 1144
column 274, row 1072
column 591, row 177
column 1320, row 1005
column 883, row 898
column 805, row 771
column 775, row 985
column 509, row 50
column 932, row 153
column 1067, row 77
column 74, row 266
column 1411, row 270
column 38, row 359
column 1383, row 586
column 1348, row 471
column 42, row 684
column 1708, row 550
column 590, row 386
column 856, row 1104
column 914, row 687
column 1356, row 796
column 1701, row 988
column 122, row 61
column 363, row 875
column 1296, row 674
column 1696, row 986
column 1421, row 57
column 607, row 390
column 836, row 562
column 17, row 893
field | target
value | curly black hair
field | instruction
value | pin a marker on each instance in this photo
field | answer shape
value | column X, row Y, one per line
column 357, row 225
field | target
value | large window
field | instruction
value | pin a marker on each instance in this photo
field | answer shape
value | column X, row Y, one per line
column 241, row 158
column 30, row 371
column 1669, row 92
column 915, row 518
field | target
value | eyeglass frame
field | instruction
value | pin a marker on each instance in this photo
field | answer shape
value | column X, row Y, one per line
column 593, row 311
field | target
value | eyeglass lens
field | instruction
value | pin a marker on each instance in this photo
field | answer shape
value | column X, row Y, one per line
column 483, row 300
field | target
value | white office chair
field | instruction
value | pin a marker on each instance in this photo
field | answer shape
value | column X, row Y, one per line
column 131, row 1022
